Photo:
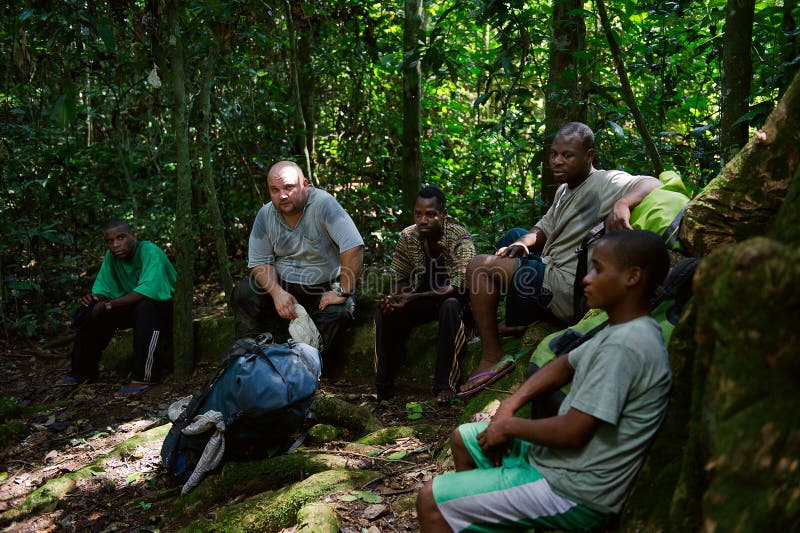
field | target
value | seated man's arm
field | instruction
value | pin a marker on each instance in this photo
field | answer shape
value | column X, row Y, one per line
column 531, row 242
column 108, row 304
column 620, row 216
column 400, row 299
column 570, row 430
column 266, row 278
column 351, row 260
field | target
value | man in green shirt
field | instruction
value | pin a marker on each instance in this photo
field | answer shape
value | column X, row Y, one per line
column 134, row 288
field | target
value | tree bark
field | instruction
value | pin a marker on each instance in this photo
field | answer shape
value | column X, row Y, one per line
column 301, row 135
column 564, row 83
column 791, row 48
column 737, row 70
column 305, row 37
column 183, row 334
column 630, row 99
column 212, row 203
column 412, row 108
column 744, row 199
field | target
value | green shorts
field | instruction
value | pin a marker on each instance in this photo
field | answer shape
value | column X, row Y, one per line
column 511, row 497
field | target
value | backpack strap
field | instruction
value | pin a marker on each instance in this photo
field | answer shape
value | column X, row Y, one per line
column 571, row 339
column 578, row 300
column 670, row 234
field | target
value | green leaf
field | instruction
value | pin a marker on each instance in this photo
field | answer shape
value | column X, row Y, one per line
column 349, row 497
column 144, row 505
column 133, row 477
column 397, row 455
column 371, row 497
column 415, row 407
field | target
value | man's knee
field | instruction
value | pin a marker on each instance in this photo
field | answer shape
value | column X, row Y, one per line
column 243, row 293
column 448, row 308
column 426, row 503
column 494, row 267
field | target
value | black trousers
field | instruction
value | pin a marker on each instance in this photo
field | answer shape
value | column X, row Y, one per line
column 255, row 312
column 152, row 330
column 392, row 329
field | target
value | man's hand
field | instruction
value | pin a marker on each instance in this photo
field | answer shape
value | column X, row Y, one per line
column 331, row 298
column 619, row 218
column 284, row 304
column 494, row 442
column 515, row 249
column 393, row 302
column 87, row 300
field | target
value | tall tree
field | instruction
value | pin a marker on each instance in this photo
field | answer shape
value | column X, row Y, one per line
column 183, row 332
column 216, row 222
column 791, row 48
column 300, row 127
column 412, row 106
column 737, row 71
column 563, row 98
column 627, row 91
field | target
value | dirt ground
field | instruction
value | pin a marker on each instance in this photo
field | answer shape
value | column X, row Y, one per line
column 64, row 429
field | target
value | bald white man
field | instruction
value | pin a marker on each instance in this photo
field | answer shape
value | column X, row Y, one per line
column 303, row 249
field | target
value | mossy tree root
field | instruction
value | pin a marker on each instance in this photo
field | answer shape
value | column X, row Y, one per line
column 273, row 511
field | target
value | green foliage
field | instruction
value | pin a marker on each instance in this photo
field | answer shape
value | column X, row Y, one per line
column 86, row 130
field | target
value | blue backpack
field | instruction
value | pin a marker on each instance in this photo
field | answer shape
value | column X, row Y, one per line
column 263, row 391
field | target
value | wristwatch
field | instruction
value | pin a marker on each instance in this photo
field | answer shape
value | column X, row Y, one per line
column 108, row 305
column 340, row 292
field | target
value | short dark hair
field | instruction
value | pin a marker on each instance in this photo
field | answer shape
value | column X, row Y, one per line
column 117, row 223
column 643, row 249
column 579, row 129
column 432, row 191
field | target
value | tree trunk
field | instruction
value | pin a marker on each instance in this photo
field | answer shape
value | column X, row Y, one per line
column 183, row 335
column 791, row 48
column 743, row 200
column 412, row 108
column 630, row 99
column 737, row 70
column 215, row 221
column 307, row 78
column 564, row 87
column 301, row 135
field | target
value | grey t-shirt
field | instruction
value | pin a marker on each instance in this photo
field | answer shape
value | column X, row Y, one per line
column 573, row 213
column 622, row 377
column 307, row 254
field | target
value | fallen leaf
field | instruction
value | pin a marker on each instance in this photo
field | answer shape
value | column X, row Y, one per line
column 373, row 511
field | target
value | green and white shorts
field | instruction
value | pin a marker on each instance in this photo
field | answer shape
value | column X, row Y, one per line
column 511, row 497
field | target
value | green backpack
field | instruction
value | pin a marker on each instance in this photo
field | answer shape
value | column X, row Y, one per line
column 668, row 304
column 661, row 212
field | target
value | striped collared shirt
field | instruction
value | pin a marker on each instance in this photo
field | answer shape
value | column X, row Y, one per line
column 410, row 257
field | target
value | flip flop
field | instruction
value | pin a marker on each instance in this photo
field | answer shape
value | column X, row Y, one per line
column 501, row 369
column 131, row 389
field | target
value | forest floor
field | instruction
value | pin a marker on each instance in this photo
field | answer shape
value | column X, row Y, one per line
column 62, row 430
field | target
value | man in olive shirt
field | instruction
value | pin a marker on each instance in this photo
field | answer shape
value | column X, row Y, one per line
column 134, row 288
column 537, row 270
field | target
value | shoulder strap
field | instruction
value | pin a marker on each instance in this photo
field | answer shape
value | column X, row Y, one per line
column 571, row 339
column 578, row 300
column 670, row 234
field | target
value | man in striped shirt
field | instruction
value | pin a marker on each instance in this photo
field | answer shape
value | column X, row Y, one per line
column 429, row 268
